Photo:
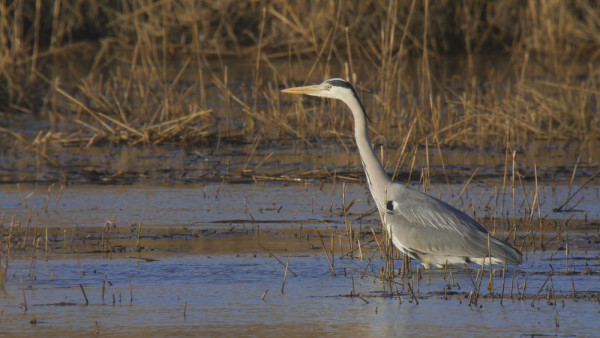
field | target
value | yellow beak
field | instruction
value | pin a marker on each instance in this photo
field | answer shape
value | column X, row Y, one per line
column 303, row 90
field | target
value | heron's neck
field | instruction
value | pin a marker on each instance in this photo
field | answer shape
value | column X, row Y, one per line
column 376, row 176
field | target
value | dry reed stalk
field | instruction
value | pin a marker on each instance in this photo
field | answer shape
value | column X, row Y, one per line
column 332, row 250
column 137, row 244
column 401, row 155
column 258, row 57
column 540, row 289
column 277, row 259
column 344, row 210
column 470, row 276
column 103, row 287
column 389, row 256
column 503, row 280
column 46, row 244
column 539, row 209
column 285, row 273
column 523, row 291
column 426, row 170
column 33, row 242
column 130, row 290
column 591, row 178
column 412, row 294
column 566, row 248
column 445, row 269
column 419, row 277
column 490, row 285
column 24, row 198
column 573, row 174
column 32, row 267
column 24, row 245
column 47, row 199
column 326, row 255
column 512, row 190
column 110, row 226
column 84, row 295
column 360, row 254
column 466, row 185
column 364, row 272
column 24, row 299
column 512, row 282
column 480, row 274
column 264, row 294
column 72, row 237
column 395, row 287
column 8, row 250
column 377, row 241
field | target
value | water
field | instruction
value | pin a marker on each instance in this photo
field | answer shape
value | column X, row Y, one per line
column 220, row 295
column 212, row 284
column 199, row 204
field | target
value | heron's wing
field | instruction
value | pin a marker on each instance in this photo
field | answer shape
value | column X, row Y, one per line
column 427, row 225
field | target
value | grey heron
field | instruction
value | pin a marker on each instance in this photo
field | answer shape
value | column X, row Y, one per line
column 420, row 226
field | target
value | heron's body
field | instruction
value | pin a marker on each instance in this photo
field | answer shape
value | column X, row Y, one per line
column 421, row 226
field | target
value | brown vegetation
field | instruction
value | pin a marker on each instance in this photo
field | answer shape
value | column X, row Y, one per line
column 457, row 73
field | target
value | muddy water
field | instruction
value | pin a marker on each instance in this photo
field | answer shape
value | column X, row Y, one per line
column 202, row 267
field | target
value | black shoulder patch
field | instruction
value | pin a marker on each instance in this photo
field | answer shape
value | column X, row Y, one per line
column 390, row 206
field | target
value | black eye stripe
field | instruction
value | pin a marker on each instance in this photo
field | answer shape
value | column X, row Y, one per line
column 340, row 83
column 345, row 84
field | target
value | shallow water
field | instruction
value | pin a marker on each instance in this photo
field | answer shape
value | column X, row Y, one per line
column 212, row 284
column 198, row 294
column 200, row 205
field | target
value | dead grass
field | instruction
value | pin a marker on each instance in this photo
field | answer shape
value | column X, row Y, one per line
column 462, row 73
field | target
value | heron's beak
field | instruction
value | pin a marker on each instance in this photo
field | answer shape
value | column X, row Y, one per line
column 303, row 90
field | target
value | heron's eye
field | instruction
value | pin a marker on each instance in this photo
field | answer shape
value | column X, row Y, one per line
column 328, row 87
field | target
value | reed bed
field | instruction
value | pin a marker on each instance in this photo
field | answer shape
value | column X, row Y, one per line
column 186, row 72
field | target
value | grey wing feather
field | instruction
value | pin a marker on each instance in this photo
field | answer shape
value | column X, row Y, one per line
column 427, row 225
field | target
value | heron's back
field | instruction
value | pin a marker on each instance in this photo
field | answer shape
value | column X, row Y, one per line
column 435, row 232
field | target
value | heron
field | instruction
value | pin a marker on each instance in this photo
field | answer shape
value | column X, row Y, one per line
column 423, row 227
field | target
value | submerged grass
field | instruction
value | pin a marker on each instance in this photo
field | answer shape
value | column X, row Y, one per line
column 186, row 72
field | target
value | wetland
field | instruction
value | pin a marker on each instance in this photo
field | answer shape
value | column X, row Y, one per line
column 154, row 181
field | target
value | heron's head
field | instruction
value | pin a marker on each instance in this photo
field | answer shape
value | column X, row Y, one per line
column 333, row 88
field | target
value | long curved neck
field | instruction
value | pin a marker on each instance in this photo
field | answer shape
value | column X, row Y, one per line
column 376, row 176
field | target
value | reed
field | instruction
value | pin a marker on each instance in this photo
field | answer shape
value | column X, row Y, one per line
column 278, row 260
column 330, row 261
column 264, row 294
column 103, row 287
column 84, row 295
column 287, row 263
column 136, row 86
column 24, row 299
column 130, row 291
